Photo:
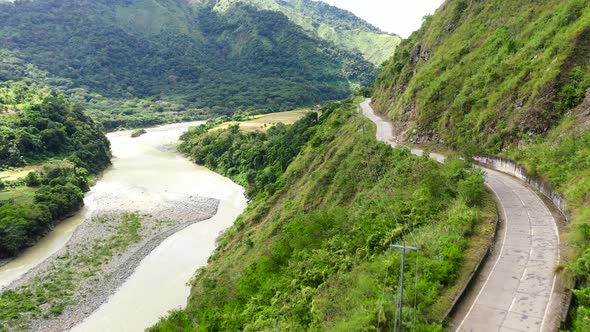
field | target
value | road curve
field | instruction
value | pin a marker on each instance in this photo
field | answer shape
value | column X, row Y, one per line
column 517, row 290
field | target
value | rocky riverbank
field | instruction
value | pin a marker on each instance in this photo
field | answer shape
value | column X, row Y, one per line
column 102, row 253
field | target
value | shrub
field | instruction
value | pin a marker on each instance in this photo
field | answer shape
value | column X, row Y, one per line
column 33, row 179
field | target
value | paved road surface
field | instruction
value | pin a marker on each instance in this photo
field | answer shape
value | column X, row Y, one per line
column 516, row 291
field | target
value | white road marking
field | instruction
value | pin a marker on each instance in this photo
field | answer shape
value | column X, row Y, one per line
column 384, row 126
column 512, row 304
column 548, row 304
column 523, row 274
column 495, row 264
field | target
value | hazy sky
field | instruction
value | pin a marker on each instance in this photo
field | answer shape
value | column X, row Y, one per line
column 397, row 16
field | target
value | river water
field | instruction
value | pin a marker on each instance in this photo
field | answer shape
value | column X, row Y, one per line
column 46, row 247
column 147, row 164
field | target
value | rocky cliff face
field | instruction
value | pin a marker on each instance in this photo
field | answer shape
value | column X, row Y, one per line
column 489, row 73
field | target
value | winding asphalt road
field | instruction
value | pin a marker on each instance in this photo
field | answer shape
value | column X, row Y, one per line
column 516, row 291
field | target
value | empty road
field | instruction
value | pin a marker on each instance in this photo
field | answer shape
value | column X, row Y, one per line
column 516, row 289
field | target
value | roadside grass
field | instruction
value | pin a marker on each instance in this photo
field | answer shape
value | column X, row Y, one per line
column 48, row 294
column 478, row 243
column 563, row 160
column 263, row 122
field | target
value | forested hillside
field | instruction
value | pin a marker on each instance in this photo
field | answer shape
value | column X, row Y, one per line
column 62, row 147
column 332, row 24
column 164, row 60
column 312, row 250
column 255, row 160
column 510, row 78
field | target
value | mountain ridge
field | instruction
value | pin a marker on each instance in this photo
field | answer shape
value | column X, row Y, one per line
column 466, row 61
column 335, row 25
column 199, row 59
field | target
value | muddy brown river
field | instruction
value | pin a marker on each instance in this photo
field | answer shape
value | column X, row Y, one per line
column 146, row 165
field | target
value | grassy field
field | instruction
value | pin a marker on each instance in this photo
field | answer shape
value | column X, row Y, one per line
column 264, row 121
column 17, row 173
column 20, row 194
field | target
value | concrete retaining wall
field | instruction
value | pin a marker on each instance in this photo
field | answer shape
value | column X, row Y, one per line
column 513, row 168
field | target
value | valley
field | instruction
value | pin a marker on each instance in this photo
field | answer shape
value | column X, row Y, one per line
column 175, row 60
column 256, row 165
column 153, row 207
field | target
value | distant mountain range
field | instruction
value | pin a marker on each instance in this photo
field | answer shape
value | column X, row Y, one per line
column 217, row 56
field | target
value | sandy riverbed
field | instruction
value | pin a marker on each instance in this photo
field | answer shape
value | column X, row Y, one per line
column 169, row 193
column 160, row 218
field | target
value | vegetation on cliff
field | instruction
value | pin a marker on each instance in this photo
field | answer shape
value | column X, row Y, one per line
column 488, row 75
column 313, row 253
column 509, row 78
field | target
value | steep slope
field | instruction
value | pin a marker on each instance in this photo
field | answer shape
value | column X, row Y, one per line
column 206, row 60
column 509, row 78
column 515, row 289
column 312, row 250
column 488, row 74
column 333, row 25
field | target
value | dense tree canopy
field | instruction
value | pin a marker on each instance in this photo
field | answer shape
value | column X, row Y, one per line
column 37, row 125
column 255, row 159
column 200, row 59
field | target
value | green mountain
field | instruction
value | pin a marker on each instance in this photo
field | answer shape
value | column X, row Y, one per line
column 509, row 78
column 311, row 252
column 490, row 73
column 331, row 24
column 203, row 57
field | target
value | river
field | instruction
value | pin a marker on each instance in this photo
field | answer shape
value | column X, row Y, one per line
column 147, row 164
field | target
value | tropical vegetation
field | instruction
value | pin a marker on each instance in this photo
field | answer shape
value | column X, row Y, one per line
column 509, row 78
column 143, row 62
column 255, row 160
column 41, row 127
column 485, row 76
column 312, row 251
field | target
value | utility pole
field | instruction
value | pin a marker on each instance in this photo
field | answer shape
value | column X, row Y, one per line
column 403, row 248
